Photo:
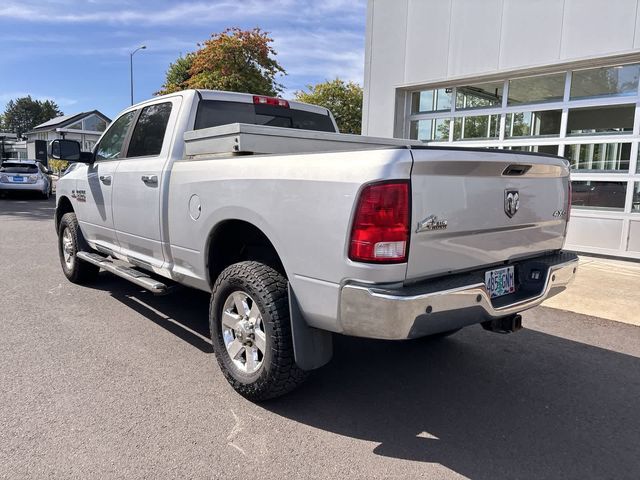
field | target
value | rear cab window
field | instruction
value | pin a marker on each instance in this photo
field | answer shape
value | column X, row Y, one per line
column 18, row 168
column 213, row 113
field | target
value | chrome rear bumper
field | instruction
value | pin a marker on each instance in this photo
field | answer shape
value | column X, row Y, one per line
column 375, row 312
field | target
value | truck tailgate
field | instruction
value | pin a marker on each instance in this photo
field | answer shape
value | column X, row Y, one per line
column 463, row 208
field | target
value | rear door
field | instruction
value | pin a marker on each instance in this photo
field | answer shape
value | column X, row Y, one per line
column 138, row 180
column 477, row 208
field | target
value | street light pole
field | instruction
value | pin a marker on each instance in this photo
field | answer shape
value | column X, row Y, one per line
column 142, row 47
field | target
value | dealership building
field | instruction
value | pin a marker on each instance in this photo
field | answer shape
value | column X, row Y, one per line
column 552, row 76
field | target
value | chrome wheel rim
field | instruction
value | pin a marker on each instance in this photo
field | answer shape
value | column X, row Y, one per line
column 243, row 332
column 67, row 248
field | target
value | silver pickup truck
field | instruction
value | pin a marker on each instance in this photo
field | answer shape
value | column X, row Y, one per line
column 300, row 232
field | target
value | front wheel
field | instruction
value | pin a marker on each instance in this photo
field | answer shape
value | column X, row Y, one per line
column 251, row 331
column 70, row 242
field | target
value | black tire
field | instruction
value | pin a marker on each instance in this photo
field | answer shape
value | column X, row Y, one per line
column 77, row 271
column 278, row 373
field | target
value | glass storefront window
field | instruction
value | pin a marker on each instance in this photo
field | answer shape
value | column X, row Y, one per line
column 480, row 95
column 431, row 100
column 598, row 195
column 483, row 126
column 530, row 124
column 600, row 120
column 432, row 129
column 543, row 88
column 599, row 156
column 635, row 201
column 604, row 82
column 550, row 149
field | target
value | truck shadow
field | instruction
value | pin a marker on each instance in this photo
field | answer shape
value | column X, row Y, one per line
column 185, row 312
column 529, row 405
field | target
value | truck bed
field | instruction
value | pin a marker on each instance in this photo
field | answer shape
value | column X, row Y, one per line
column 242, row 138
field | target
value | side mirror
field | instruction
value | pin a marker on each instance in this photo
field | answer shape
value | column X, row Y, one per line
column 49, row 171
column 69, row 150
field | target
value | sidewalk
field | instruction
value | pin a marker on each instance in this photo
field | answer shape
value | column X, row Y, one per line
column 603, row 288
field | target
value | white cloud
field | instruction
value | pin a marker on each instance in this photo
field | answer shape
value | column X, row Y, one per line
column 190, row 12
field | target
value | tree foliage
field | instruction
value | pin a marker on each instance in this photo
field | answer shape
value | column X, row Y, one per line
column 234, row 60
column 344, row 99
column 24, row 113
column 177, row 75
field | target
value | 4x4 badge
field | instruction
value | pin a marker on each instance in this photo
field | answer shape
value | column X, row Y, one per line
column 511, row 202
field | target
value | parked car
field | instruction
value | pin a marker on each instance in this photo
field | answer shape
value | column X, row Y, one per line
column 25, row 175
column 300, row 232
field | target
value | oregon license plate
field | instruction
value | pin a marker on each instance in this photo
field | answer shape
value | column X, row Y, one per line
column 500, row 282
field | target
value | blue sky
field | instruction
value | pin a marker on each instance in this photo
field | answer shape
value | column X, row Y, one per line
column 77, row 52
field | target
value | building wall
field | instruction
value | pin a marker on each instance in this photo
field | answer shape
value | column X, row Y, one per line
column 452, row 46
column 418, row 42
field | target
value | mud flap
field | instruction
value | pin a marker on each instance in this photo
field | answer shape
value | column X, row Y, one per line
column 312, row 347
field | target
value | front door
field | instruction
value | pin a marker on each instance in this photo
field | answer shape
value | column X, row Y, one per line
column 138, row 186
column 93, row 191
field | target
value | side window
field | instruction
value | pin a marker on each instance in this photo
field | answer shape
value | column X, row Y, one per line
column 111, row 144
column 149, row 133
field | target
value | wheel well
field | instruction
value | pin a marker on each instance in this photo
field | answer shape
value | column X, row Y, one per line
column 64, row 206
column 235, row 241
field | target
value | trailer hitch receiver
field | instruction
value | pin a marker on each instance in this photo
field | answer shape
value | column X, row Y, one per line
column 509, row 324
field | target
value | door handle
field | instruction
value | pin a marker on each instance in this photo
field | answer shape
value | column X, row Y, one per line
column 106, row 179
column 150, row 180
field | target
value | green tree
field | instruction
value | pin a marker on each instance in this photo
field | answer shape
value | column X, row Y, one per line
column 24, row 113
column 234, row 60
column 177, row 75
column 344, row 99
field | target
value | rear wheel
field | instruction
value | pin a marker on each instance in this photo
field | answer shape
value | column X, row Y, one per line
column 70, row 242
column 251, row 331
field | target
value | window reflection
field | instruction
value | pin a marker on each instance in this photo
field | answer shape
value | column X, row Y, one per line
column 479, row 95
column 607, row 81
column 599, row 156
column 529, row 124
column 432, row 129
column 599, row 195
column 431, row 100
column 543, row 88
column 600, row 120
column 483, row 126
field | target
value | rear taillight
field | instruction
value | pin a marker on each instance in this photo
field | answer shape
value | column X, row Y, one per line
column 380, row 232
column 273, row 101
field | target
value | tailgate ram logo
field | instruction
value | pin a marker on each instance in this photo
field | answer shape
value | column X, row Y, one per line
column 511, row 202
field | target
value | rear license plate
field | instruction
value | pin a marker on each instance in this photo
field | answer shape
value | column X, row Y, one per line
column 18, row 179
column 500, row 282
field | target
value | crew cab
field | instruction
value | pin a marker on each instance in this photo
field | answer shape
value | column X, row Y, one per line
column 300, row 232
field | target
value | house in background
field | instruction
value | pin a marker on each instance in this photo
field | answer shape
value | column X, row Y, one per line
column 85, row 127
column 11, row 146
column 550, row 76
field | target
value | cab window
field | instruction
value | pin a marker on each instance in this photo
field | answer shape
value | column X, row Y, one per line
column 111, row 143
column 149, row 132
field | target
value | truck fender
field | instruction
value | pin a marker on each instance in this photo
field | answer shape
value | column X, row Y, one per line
column 312, row 347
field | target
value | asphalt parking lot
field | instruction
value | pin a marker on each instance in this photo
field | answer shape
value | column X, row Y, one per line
column 109, row 381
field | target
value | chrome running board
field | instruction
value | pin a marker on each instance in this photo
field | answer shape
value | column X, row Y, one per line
column 128, row 273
